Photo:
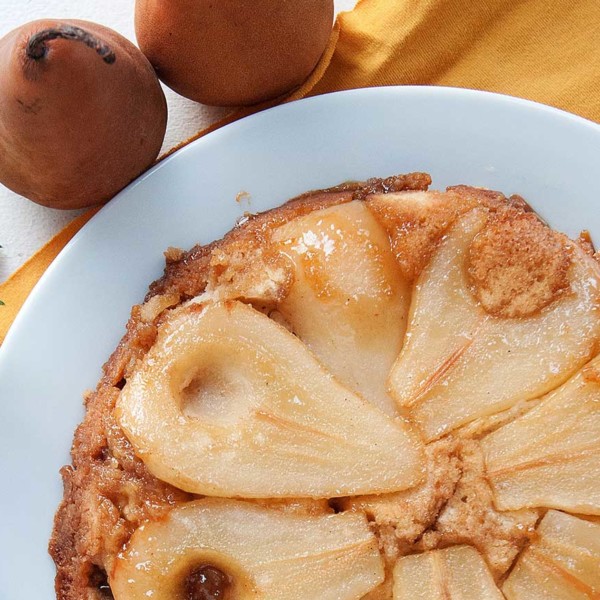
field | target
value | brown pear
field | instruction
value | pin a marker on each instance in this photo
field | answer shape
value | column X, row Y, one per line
column 233, row 52
column 81, row 112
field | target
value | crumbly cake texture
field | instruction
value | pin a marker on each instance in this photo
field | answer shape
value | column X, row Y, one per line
column 516, row 268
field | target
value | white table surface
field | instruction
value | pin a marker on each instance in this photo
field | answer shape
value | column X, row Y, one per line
column 25, row 226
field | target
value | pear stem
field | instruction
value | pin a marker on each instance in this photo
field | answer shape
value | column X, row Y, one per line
column 37, row 48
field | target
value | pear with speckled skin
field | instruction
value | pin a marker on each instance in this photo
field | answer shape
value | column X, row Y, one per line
column 81, row 113
column 233, row 52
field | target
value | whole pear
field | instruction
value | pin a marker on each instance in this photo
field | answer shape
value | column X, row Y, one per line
column 81, row 112
column 233, row 52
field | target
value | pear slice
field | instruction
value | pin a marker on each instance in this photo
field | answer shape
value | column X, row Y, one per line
column 549, row 456
column 415, row 221
column 456, row 573
column 244, row 551
column 461, row 362
column 229, row 403
column 349, row 302
column 562, row 564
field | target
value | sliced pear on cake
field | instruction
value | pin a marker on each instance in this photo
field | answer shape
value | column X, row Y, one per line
column 415, row 222
column 349, row 301
column 562, row 564
column 550, row 456
column 229, row 403
column 456, row 573
column 229, row 549
column 505, row 311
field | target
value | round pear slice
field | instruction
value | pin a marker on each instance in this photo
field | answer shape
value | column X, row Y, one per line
column 349, row 302
column 456, row 573
column 460, row 362
column 243, row 551
column 229, row 403
column 550, row 455
column 563, row 563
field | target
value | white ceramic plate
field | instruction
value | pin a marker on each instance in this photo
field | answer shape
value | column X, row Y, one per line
column 75, row 316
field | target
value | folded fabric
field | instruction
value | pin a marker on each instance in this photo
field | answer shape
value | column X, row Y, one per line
column 535, row 49
column 543, row 51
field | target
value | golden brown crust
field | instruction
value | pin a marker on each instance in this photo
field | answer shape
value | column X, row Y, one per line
column 517, row 265
column 108, row 491
column 401, row 518
column 187, row 273
column 425, row 216
column 453, row 506
column 470, row 517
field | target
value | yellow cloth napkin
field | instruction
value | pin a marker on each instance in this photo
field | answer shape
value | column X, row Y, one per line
column 544, row 51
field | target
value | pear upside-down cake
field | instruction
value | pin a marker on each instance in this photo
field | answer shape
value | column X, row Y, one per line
column 372, row 392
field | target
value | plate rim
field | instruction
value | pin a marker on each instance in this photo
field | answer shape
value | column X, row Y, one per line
column 113, row 204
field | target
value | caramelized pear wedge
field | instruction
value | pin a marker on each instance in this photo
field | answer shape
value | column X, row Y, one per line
column 562, row 564
column 238, row 550
column 461, row 362
column 229, row 403
column 456, row 573
column 415, row 222
column 550, row 455
column 349, row 302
